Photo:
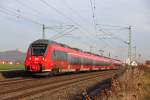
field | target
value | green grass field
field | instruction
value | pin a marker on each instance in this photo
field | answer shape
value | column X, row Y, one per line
column 5, row 67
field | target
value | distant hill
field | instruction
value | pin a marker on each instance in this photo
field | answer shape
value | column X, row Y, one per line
column 12, row 55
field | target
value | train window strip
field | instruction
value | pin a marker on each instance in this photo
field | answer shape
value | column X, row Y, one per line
column 86, row 61
column 63, row 56
column 59, row 55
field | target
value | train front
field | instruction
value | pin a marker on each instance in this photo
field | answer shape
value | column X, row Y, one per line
column 36, row 56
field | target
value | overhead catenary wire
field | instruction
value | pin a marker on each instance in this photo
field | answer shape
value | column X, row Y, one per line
column 66, row 33
column 27, row 6
column 59, row 12
column 6, row 13
column 63, row 32
column 113, row 36
column 15, row 14
column 18, row 15
column 112, row 26
column 75, row 12
column 83, row 19
column 110, row 33
column 68, row 18
column 38, row 12
column 93, row 14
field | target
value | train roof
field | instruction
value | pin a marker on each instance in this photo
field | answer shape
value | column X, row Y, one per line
column 45, row 41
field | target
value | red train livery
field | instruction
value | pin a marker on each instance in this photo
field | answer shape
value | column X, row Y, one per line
column 46, row 55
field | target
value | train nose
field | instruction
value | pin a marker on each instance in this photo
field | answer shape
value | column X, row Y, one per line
column 34, row 68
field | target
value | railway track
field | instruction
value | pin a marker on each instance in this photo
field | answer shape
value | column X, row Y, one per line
column 14, row 81
column 11, row 84
column 50, row 84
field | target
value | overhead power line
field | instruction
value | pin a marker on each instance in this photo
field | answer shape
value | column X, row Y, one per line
column 113, row 36
column 93, row 14
column 33, row 9
column 18, row 15
column 65, row 34
column 112, row 26
column 74, row 11
column 6, row 13
column 52, row 7
column 28, row 6
column 63, row 31
column 15, row 14
column 68, row 18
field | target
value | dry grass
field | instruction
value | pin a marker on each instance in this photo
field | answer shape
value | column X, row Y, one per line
column 134, row 84
column 146, row 81
column 130, row 86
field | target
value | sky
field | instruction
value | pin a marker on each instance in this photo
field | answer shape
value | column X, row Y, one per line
column 21, row 23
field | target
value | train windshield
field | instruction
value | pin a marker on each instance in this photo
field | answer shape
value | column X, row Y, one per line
column 38, row 50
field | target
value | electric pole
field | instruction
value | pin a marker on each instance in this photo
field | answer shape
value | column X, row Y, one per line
column 91, row 48
column 43, row 34
column 139, row 58
column 129, row 46
column 134, row 53
column 109, row 54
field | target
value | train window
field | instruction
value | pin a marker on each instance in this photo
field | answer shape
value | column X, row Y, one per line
column 63, row 56
column 94, row 62
column 59, row 55
column 75, row 60
column 87, row 61
column 54, row 55
column 38, row 49
column 72, row 60
column 82, row 61
column 99, row 63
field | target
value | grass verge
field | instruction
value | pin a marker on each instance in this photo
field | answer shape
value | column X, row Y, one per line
column 7, row 67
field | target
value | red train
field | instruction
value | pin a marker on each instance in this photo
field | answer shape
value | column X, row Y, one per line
column 45, row 55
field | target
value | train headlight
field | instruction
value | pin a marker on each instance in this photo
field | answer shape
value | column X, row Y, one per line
column 29, row 58
column 43, row 58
